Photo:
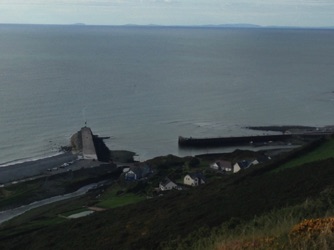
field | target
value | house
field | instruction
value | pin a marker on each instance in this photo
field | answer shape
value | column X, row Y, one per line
column 137, row 172
column 167, row 184
column 241, row 165
column 126, row 169
column 215, row 166
column 222, row 165
column 263, row 159
column 133, row 174
column 194, row 179
column 146, row 170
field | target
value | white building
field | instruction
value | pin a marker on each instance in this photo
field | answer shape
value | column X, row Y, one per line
column 194, row 179
column 167, row 184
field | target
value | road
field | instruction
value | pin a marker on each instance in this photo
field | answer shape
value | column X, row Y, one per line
column 9, row 214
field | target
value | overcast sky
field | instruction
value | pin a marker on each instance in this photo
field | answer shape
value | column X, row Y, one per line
column 169, row 12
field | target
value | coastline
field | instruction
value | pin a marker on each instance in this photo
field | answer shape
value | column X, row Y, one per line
column 29, row 159
column 33, row 168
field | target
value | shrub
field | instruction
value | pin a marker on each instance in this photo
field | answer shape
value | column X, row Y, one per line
column 194, row 162
column 313, row 234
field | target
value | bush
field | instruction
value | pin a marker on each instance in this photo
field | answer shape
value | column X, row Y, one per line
column 194, row 162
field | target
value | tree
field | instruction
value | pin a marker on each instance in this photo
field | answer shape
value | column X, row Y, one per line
column 194, row 162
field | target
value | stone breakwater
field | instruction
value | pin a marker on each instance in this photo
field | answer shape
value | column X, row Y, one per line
column 230, row 141
column 290, row 134
column 246, row 140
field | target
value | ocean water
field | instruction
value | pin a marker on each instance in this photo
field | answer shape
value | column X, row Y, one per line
column 145, row 86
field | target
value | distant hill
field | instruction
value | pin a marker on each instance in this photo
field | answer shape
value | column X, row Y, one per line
column 234, row 25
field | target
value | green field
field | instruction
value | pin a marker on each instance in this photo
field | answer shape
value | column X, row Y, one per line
column 324, row 151
column 112, row 200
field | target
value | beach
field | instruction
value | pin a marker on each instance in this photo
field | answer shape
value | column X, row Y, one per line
column 34, row 168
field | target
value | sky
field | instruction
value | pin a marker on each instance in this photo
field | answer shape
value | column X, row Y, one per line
column 304, row 13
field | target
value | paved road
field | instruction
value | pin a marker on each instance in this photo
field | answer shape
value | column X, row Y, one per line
column 9, row 214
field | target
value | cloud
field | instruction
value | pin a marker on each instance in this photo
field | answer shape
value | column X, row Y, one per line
column 80, row 2
column 184, row 12
column 187, row 3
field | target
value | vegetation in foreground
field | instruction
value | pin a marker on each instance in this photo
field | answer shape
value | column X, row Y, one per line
column 257, row 208
column 308, row 225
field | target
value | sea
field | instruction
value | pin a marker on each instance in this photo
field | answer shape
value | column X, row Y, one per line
column 146, row 86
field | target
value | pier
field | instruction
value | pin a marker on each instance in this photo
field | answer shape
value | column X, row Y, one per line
column 246, row 140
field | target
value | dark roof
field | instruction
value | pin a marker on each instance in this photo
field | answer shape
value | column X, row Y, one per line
column 244, row 164
column 197, row 175
column 263, row 159
column 141, row 170
column 224, row 164
column 137, row 170
column 165, row 181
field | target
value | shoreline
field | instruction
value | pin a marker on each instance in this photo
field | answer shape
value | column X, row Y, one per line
column 44, row 167
column 33, row 168
column 29, row 159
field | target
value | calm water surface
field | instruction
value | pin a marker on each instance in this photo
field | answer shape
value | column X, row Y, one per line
column 145, row 86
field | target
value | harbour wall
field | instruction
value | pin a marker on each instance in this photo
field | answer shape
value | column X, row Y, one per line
column 243, row 140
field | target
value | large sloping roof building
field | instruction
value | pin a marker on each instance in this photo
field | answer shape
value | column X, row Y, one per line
column 88, row 147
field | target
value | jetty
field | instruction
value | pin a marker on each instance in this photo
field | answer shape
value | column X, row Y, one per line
column 256, row 140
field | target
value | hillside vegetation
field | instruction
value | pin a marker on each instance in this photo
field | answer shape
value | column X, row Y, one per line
column 259, row 208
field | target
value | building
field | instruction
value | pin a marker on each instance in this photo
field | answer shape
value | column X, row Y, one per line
column 222, row 165
column 194, row 179
column 167, row 184
column 88, row 147
column 241, row 165
column 137, row 172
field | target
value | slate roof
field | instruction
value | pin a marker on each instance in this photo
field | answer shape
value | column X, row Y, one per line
column 224, row 164
column 165, row 181
column 200, row 176
column 244, row 164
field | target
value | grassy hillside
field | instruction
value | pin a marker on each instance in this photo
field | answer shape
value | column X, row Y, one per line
column 251, row 202
column 323, row 151
column 48, row 186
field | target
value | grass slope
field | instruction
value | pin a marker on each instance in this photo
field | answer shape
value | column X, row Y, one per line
column 324, row 151
column 112, row 199
column 165, row 221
